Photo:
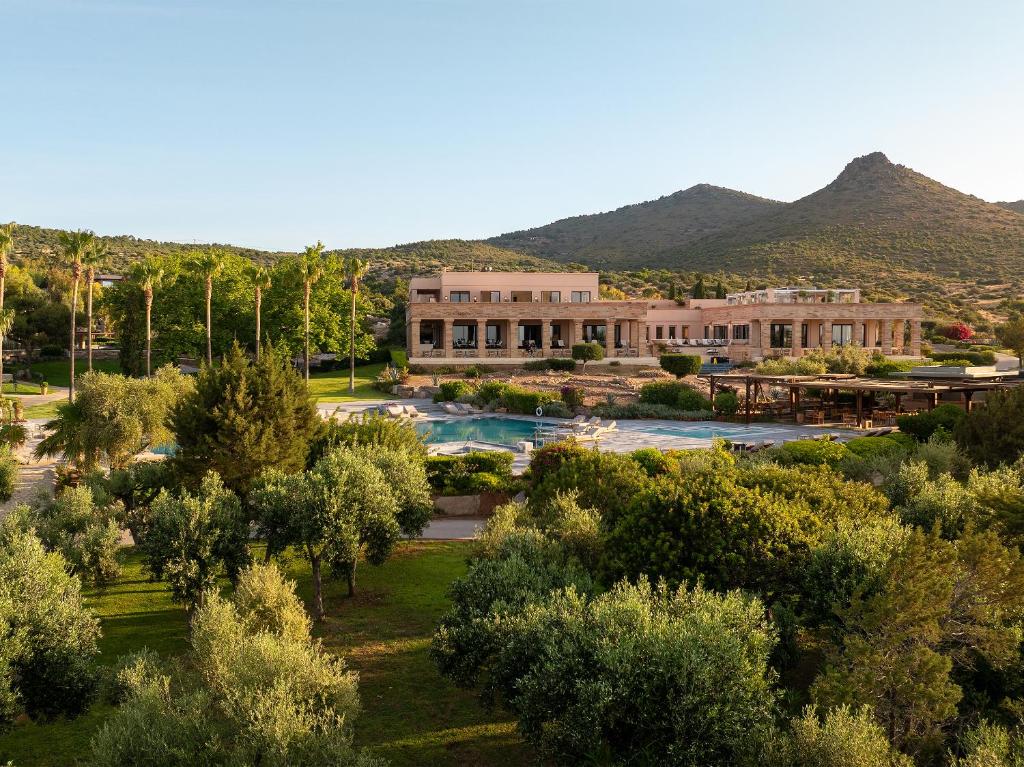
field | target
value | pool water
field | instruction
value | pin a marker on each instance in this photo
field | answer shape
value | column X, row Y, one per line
column 497, row 430
column 704, row 431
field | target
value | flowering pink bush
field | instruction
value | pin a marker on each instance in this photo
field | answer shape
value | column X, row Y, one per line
column 958, row 331
column 572, row 395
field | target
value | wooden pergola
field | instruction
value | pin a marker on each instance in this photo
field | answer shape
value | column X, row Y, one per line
column 831, row 385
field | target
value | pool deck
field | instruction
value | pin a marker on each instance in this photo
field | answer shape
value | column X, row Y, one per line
column 629, row 436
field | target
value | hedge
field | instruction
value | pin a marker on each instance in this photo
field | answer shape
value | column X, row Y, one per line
column 650, row 410
column 681, row 365
column 814, row 452
column 515, row 399
column 923, row 425
column 673, row 394
column 399, row 358
column 975, row 358
column 449, row 391
column 727, row 403
column 589, row 352
column 469, row 473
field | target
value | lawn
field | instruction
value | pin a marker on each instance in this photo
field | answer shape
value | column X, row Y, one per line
column 57, row 372
column 332, row 386
column 411, row 716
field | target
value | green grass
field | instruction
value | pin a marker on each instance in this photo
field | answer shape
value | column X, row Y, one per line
column 57, row 372
column 47, row 410
column 332, row 386
column 411, row 715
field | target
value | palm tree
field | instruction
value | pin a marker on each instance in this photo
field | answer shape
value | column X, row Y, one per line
column 355, row 269
column 210, row 263
column 6, row 246
column 75, row 246
column 148, row 275
column 6, row 323
column 311, row 267
column 96, row 256
column 260, row 277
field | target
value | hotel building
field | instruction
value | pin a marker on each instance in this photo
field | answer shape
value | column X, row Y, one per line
column 503, row 317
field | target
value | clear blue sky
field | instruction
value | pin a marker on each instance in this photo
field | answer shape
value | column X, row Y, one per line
column 273, row 124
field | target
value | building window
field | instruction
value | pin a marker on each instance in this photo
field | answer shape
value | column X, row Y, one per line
column 459, row 296
column 556, row 335
column 580, row 297
column 671, row 332
column 529, row 337
column 493, row 335
column 803, row 335
column 427, row 333
column 781, row 336
column 464, row 336
column 551, row 296
column 842, row 335
column 720, row 332
column 741, row 332
column 659, row 333
column 593, row 333
column 490, row 296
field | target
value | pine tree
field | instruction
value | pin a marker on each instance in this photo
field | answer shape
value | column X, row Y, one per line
column 244, row 417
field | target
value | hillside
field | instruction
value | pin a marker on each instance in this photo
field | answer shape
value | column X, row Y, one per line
column 882, row 226
column 1017, row 206
column 40, row 245
column 631, row 235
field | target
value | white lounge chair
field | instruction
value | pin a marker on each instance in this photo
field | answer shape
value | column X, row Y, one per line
column 451, row 408
column 395, row 411
column 411, row 411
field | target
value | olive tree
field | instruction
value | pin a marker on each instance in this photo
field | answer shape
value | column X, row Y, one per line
column 192, row 539
column 354, row 501
column 47, row 638
column 256, row 690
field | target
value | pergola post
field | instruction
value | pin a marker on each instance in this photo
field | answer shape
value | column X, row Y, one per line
column 968, row 394
column 747, row 380
column 860, row 408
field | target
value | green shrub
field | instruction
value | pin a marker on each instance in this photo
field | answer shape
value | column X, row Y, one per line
column 870, row 447
column 557, row 409
column 450, row 391
column 468, row 473
column 653, row 461
column 680, row 365
column 673, row 394
column 390, row 377
column 399, row 358
column 646, row 410
column 959, row 357
column 923, row 425
column 572, row 396
column 476, row 371
column 993, row 432
column 588, row 352
column 517, row 399
column 8, row 474
column 489, row 392
column 727, row 403
column 535, row 366
column 605, row 481
column 881, row 366
column 369, row 429
column 813, row 452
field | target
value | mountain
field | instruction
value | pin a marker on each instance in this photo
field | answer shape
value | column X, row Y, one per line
column 631, row 235
column 882, row 226
column 1017, row 206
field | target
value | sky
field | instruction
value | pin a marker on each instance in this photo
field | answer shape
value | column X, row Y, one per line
column 274, row 124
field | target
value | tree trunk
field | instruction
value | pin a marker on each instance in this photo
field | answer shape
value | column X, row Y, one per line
column 318, row 599
column 149, row 334
column 351, row 577
column 74, row 311
column 305, row 309
column 259, row 304
column 352, row 343
column 88, row 316
column 209, row 340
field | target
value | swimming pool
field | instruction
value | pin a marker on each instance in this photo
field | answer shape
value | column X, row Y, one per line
column 494, row 429
column 703, row 431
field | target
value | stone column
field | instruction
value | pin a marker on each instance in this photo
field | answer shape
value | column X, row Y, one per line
column 609, row 338
column 887, row 337
column 826, row 335
column 413, row 341
column 915, row 338
column 797, row 348
column 481, row 338
column 577, row 332
column 545, row 338
column 900, row 341
column 449, row 349
column 859, row 338
column 765, row 330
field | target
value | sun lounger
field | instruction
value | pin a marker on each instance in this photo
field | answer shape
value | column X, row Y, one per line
column 411, row 411
column 395, row 411
column 451, row 408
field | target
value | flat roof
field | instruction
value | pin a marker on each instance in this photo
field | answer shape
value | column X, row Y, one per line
column 845, row 381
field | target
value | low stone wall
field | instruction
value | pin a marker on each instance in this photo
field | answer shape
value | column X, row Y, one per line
column 480, row 505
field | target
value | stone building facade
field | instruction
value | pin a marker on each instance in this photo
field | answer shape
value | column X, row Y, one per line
column 503, row 317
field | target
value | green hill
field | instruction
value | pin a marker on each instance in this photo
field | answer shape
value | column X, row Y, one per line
column 631, row 235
